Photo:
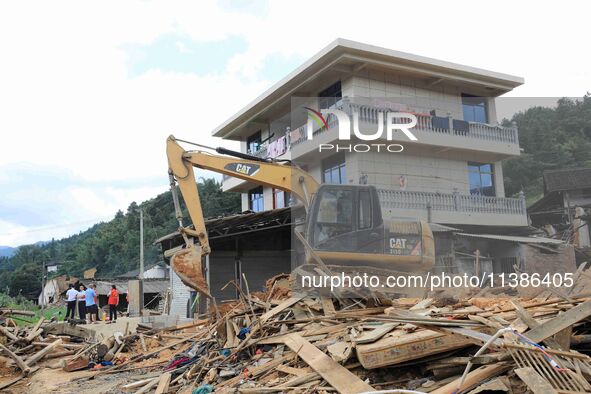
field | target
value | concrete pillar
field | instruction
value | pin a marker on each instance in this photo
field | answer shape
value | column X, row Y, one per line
column 134, row 295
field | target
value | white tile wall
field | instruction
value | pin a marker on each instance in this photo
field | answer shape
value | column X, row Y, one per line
column 444, row 98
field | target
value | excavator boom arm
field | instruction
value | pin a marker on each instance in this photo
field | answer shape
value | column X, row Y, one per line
column 280, row 176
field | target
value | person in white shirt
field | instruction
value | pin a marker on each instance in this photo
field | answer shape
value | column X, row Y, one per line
column 71, row 301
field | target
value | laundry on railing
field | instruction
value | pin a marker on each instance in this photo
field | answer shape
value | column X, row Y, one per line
column 439, row 122
column 461, row 127
column 277, row 147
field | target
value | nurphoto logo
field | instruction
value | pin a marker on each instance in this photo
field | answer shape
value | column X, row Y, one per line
column 394, row 121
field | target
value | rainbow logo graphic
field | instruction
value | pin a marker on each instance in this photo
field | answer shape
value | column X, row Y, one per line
column 316, row 117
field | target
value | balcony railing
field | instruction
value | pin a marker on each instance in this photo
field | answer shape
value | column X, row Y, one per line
column 454, row 202
column 427, row 123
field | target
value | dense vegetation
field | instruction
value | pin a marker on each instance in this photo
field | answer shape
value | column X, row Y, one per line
column 551, row 138
column 112, row 247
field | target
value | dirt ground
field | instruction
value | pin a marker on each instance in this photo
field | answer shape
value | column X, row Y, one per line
column 57, row 381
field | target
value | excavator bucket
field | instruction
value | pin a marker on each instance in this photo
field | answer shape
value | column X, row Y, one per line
column 187, row 264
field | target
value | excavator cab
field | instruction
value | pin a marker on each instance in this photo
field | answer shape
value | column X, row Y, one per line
column 347, row 219
column 345, row 227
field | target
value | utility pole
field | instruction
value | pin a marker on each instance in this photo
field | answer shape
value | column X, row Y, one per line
column 141, row 274
column 141, row 244
column 43, row 286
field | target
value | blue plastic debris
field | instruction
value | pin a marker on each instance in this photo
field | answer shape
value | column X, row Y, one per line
column 243, row 332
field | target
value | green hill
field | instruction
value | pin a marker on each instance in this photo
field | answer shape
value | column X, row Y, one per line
column 551, row 138
column 112, row 247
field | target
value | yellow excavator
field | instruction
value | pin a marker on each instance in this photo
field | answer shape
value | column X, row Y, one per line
column 344, row 224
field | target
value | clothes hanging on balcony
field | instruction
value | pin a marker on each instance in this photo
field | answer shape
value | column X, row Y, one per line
column 439, row 122
column 277, row 148
column 461, row 127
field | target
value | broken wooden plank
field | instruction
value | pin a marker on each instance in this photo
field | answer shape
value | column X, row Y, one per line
column 335, row 374
column 472, row 335
column 562, row 337
column 327, row 306
column 280, row 308
column 139, row 383
column 163, row 383
column 19, row 361
column 33, row 334
column 39, row 355
column 4, row 331
column 291, row 370
column 299, row 380
column 532, row 323
column 536, row 383
column 147, row 387
column 376, row 333
column 560, row 322
column 475, row 377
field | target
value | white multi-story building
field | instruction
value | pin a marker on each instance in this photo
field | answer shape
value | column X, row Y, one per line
column 451, row 175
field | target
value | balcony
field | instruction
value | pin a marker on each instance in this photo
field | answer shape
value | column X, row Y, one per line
column 444, row 132
column 454, row 208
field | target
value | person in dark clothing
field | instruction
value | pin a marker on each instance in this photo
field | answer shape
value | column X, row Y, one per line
column 71, row 302
column 81, row 302
column 113, row 303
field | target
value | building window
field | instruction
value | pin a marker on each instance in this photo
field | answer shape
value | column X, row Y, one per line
column 364, row 209
column 255, row 199
column 481, row 177
column 330, row 97
column 333, row 169
column 280, row 199
column 253, row 143
column 475, row 108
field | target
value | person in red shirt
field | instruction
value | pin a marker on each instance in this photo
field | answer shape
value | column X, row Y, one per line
column 113, row 303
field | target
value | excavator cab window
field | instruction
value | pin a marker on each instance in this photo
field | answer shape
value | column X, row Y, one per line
column 345, row 218
column 335, row 215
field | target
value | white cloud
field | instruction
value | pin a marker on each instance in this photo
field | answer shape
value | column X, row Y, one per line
column 68, row 101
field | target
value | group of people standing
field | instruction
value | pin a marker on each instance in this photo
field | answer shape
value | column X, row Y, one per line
column 87, row 300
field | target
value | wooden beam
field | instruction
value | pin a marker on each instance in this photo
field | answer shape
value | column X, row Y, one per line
column 334, row 373
column 279, row 308
column 8, row 334
column 532, row 323
column 560, row 322
column 19, row 361
column 39, row 355
column 475, row 377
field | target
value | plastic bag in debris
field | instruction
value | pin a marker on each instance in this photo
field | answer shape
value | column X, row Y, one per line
column 203, row 389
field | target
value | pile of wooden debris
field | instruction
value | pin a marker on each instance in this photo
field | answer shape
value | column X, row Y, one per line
column 424, row 345
column 282, row 342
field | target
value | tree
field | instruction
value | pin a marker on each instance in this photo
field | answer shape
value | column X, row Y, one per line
column 112, row 247
column 552, row 138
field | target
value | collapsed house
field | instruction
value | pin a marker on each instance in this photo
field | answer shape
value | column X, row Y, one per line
column 55, row 289
column 563, row 211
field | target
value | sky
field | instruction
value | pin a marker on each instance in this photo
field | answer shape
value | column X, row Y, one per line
column 90, row 91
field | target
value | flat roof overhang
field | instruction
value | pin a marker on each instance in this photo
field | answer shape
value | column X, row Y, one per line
column 350, row 57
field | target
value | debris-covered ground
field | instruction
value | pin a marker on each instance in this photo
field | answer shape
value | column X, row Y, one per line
column 279, row 342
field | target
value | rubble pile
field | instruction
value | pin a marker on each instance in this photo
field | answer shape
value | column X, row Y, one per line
column 276, row 341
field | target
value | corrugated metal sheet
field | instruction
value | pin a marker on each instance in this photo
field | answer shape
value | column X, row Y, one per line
column 150, row 286
column 181, row 295
column 513, row 238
